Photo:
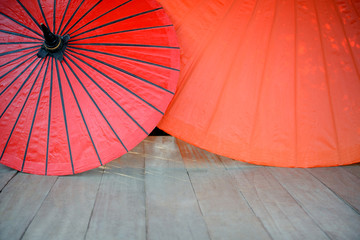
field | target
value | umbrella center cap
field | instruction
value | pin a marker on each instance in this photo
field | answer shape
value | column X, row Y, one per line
column 54, row 45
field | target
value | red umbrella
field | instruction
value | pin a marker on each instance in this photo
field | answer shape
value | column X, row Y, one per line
column 92, row 90
column 269, row 82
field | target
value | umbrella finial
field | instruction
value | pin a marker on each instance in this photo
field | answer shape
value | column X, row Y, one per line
column 51, row 40
column 54, row 45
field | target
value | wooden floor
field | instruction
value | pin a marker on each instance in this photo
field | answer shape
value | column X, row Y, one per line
column 167, row 189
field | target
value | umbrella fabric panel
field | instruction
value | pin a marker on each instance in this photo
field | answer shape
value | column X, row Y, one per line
column 268, row 82
column 112, row 87
column 136, row 57
column 111, row 90
column 143, row 79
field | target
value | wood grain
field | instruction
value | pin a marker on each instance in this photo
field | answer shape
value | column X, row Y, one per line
column 119, row 212
column 341, row 182
column 281, row 215
column 167, row 189
column 226, row 212
column 331, row 214
column 66, row 211
column 171, row 205
column 20, row 201
column 353, row 169
column 6, row 174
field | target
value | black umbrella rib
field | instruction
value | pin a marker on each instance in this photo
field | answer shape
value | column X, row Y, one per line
column 20, row 35
column 62, row 20
column 18, row 50
column 21, row 24
column 49, row 117
column 82, row 115
column 72, row 16
column 108, row 95
column 18, row 75
column 16, row 67
column 124, row 71
column 119, row 84
column 17, row 119
column 124, row 45
column 54, row 16
column 119, row 32
column 11, row 43
column 43, row 14
column 122, row 4
column 13, row 60
column 64, row 115
column 28, row 13
column 20, row 88
column 94, row 102
column 67, row 31
column 116, row 21
column 36, row 108
column 124, row 57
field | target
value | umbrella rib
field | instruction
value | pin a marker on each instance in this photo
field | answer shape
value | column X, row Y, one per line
column 82, row 17
column 122, row 4
column 11, row 43
column 17, row 119
column 108, row 95
column 82, row 115
column 13, row 60
column 49, row 117
column 124, row 57
column 21, row 24
column 119, row 84
column 16, row 67
column 20, row 35
column 62, row 20
column 94, row 102
column 28, row 13
column 36, row 108
column 64, row 115
column 116, row 21
column 54, row 18
column 17, row 50
column 72, row 16
column 119, row 32
column 124, row 45
column 42, row 13
column 20, row 88
column 123, row 71
column 18, row 75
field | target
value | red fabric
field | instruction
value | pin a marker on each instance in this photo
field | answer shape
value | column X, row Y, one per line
column 269, row 82
column 118, row 99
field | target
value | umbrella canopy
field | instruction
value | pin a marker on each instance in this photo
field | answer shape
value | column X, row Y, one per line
column 270, row 82
column 81, row 82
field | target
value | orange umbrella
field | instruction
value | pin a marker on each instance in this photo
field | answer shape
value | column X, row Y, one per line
column 271, row 82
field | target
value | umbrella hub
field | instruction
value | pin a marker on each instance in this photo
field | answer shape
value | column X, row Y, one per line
column 54, row 45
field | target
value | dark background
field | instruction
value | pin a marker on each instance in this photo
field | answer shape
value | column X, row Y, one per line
column 158, row 132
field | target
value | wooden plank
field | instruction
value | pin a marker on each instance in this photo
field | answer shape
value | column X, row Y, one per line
column 171, row 206
column 331, row 214
column 6, row 174
column 19, row 202
column 226, row 212
column 353, row 169
column 273, row 205
column 66, row 211
column 341, row 182
column 119, row 212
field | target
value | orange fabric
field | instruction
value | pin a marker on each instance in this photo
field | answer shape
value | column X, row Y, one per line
column 269, row 82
